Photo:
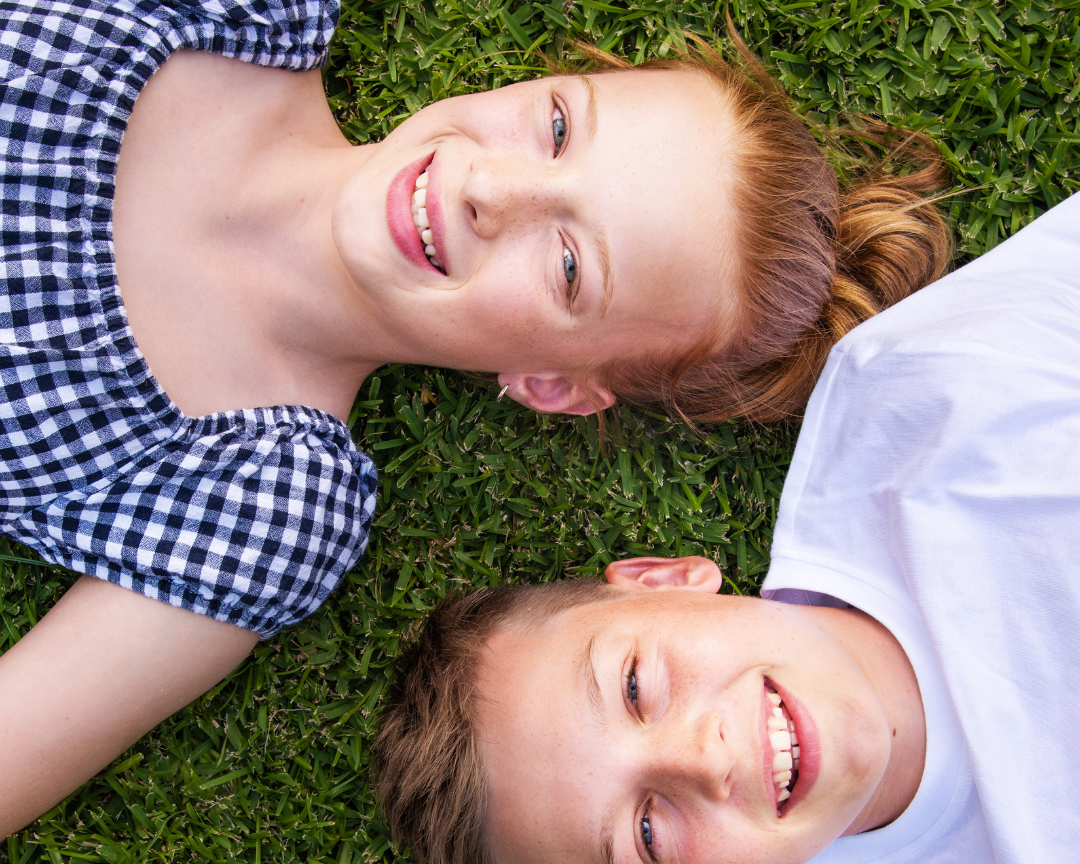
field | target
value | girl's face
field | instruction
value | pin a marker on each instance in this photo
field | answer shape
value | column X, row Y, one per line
column 574, row 220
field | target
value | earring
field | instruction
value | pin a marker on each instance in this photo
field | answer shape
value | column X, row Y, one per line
column 502, row 393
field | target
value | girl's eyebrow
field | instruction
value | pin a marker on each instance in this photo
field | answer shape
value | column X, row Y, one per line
column 590, row 104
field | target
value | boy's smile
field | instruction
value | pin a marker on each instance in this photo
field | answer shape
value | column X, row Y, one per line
column 637, row 730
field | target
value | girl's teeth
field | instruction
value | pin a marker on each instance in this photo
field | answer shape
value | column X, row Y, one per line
column 780, row 740
column 420, row 218
column 777, row 723
column 782, row 778
column 783, row 796
column 774, row 698
column 782, row 761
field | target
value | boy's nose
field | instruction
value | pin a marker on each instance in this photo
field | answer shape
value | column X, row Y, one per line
column 501, row 194
column 698, row 756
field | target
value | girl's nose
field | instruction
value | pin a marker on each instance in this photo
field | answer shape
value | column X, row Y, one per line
column 501, row 194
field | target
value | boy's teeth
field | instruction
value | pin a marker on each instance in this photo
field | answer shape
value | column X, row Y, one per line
column 419, row 197
column 421, row 181
column 421, row 219
column 785, row 764
column 426, row 237
column 429, row 250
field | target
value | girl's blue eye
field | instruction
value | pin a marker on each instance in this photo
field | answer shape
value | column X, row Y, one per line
column 558, row 130
column 631, row 685
column 569, row 266
column 646, row 831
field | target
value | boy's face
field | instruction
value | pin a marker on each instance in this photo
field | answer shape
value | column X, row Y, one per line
column 635, row 730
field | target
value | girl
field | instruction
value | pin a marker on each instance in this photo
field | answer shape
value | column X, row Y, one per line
column 178, row 198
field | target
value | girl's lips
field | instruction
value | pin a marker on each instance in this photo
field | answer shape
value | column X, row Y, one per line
column 399, row 214
column 809, row 747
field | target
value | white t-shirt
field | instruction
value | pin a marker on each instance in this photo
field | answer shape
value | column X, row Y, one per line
column 936, row 486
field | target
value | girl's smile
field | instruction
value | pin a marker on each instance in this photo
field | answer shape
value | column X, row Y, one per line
column 400, row 211
column 570, row 221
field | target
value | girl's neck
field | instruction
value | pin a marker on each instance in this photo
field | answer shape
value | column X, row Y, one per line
column 234, row 289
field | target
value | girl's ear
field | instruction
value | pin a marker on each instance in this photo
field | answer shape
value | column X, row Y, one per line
column 645, row 574
column 554, row 394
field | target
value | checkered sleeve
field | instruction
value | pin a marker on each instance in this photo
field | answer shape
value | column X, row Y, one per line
column 289, row 34
column 249, row 517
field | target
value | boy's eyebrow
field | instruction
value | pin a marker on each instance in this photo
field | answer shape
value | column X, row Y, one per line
column 607, row 839
column 592, row 683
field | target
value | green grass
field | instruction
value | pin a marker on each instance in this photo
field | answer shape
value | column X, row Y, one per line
column 272, row 764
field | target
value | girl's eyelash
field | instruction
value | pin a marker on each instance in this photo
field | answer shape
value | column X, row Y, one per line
column 570, row 275
column 560, row 129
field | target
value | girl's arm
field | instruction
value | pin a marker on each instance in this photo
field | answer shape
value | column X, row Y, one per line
column 103, row 667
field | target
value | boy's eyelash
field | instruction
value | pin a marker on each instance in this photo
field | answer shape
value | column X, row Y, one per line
column 646, row 831
column 632, row 689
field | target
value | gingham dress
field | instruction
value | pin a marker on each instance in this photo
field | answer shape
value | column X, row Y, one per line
column 246, row 516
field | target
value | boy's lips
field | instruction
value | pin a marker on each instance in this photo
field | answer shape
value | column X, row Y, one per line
column 809, row 747
column 399, row 213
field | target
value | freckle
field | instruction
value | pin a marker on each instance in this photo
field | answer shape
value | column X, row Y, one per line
column 893, row 733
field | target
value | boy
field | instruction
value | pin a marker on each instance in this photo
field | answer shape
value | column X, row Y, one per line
column 907, row 691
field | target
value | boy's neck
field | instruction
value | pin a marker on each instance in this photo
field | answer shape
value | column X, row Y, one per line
column 881, row 658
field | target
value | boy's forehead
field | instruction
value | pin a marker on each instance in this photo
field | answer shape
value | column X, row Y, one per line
column 567, row 632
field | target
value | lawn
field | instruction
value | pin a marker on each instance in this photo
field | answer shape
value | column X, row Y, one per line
column 272, row 764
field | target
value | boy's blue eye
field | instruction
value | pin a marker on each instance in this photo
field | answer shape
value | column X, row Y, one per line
column 631, row 685
column 558, row 130
column 646, row 831
column 569, row 266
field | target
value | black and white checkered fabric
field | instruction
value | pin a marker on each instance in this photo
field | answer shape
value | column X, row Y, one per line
column 246, row 516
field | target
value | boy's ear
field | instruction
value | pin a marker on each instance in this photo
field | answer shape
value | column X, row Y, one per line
column 550, row 393
column 643, row 574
